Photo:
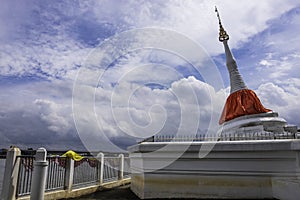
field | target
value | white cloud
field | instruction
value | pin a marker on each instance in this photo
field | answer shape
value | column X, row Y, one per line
column 142, row 112
column 198, row 20
column 273, row 53
column 276, row 69
column 52, row 109
column 52, row 40
column 58, row 117
column 26, row 124
column 272, row 95
column 283, row 99
column 59, row 58
column 135, row 110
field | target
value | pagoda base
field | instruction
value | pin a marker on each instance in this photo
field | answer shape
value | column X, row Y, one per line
column 257, row 126
column 264, row 169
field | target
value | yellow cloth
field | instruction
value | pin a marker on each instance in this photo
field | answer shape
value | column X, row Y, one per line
column 73, row 155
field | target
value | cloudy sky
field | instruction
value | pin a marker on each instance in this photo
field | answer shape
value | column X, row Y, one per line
column 56, row 91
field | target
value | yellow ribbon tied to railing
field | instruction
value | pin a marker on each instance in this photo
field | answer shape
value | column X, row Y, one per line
column 73, row 155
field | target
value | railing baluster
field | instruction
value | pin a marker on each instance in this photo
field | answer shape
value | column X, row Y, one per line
column 20, row 182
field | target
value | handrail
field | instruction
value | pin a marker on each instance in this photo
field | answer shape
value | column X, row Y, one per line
column 87, row 171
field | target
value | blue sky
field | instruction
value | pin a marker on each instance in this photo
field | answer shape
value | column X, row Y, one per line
column 45, row 44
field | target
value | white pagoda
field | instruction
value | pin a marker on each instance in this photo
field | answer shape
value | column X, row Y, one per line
column 244, row 115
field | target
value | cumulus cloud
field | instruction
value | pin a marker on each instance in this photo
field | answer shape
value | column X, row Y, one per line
column 147, row 106
column 30, row 118
column 40, row 113
column 272, row 94
column 282, row 99
column 57, row 116
column 137, row 111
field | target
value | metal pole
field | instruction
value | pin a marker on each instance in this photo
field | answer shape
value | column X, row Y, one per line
column 39, row 175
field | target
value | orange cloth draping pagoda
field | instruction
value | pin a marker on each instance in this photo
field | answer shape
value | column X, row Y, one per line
column 241, row 102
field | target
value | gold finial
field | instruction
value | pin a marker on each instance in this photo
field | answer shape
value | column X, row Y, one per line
column 222, row 34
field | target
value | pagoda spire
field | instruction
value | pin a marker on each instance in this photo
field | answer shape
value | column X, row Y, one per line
column 241, row 101
column 236, row 81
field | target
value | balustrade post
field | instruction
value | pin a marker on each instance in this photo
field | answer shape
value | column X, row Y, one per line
column 101, row 157
column 121, row 167
column 39, row 175
column 69, row 174
column 10, row 179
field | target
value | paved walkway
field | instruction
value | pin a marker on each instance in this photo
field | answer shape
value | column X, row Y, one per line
column 120, row 193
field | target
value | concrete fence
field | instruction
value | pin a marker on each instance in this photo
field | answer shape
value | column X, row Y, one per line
column 55, row 177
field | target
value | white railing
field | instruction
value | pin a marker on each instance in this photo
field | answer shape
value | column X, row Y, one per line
column 224, row 137
column 62, row 173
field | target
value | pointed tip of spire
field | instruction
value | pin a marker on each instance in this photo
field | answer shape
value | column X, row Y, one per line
column 223, row 36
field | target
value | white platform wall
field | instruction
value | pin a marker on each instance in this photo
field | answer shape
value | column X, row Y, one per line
column 232, row 170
